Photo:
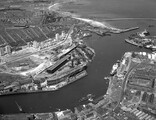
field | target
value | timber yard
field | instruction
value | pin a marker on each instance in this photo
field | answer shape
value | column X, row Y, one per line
column 44, row 49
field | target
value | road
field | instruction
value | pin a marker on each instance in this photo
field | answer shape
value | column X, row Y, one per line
column 125, row 81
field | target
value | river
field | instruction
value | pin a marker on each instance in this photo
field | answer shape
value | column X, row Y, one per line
column 108, row 50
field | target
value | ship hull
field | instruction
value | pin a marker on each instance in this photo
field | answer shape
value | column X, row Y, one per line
column 133, row 43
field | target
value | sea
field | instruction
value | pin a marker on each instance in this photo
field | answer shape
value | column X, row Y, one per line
column 108, row 49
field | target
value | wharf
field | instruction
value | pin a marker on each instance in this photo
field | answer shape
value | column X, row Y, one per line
column 48, row 88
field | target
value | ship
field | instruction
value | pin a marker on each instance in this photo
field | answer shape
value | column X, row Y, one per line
column 133, row 43
column 59, row 77
column 114, row 69
column 143, row 33
column 143, row 42
column 67, row 80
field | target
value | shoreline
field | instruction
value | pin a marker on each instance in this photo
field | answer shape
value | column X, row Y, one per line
column 120, row 19
column 103, row 26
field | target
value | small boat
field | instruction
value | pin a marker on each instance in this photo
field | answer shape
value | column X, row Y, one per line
column 106, row 78
column 118, row 61
column 58, row 109
column 89, row 97
column 19, row 107
column 83, row 99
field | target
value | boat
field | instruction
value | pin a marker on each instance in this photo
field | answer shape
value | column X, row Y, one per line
column 114, row 69
column 89, row 98
column 143, row 33
column 83, row 99
column 58, row 77
column 70, row 80
column 133, row 43
column 106, row 78
column 19, row 107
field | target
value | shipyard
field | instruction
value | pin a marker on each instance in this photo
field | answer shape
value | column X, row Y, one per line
column 77, row 60
column 45, row 66
column 39, row 61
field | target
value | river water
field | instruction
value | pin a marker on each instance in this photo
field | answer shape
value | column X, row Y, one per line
column 108, row 49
